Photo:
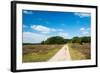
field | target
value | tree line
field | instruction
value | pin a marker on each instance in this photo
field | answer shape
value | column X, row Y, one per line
column 61, row 40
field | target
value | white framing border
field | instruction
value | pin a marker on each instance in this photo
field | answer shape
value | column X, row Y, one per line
column 21, row 65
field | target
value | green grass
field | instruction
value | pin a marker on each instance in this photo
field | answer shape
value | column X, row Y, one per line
column 79, row 52
column 39, row 53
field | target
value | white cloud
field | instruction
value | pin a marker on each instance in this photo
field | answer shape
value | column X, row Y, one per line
column 85, row 31
column 30, row 37
column 41, row 28
column 44, row 29
column 82, row 29
column 81, row 15
column 28, row 12
column 63, row 34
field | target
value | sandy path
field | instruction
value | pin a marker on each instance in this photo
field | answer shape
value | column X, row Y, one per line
column 62, row 54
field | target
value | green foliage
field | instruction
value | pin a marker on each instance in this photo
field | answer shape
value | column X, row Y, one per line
column 67, row 40
column 76, row 40
column 61, row 40
column 85, row 39
column 54, row 40
column 81, row 39
column 43, row 42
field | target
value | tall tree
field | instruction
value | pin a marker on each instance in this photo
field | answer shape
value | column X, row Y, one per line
column 55, row 40
column 76, row 40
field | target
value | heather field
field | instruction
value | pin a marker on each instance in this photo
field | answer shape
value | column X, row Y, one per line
column 80, row 52
column 39, row 53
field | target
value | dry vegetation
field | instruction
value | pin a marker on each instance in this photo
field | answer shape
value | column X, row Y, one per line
column 39, row 53
column 80, row 52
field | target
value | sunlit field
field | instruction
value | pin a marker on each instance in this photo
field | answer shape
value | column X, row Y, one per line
column 80, row 52
column 39, row 53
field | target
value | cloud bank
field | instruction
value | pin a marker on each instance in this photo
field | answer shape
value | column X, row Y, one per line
column 82, row 15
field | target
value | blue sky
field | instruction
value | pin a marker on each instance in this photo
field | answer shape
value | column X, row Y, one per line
column 39, row 25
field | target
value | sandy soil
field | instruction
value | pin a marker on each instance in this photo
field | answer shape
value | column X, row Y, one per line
column 62, row 55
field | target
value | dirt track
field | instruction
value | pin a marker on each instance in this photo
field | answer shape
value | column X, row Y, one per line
column 62, row 54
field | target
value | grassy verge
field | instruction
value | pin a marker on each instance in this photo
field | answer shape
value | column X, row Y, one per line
column 39, row 53
column 79, row 52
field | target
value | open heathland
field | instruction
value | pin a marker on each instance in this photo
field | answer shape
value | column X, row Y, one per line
column 80, row 51
column 39, row 53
